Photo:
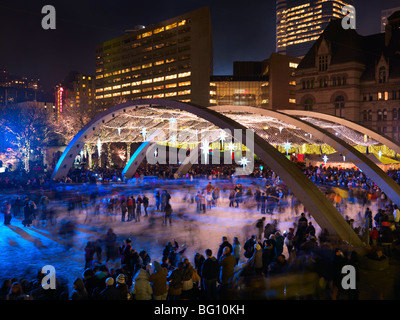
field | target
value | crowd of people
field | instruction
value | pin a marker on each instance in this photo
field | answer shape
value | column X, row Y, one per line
column 234, row 271
column 231, row 272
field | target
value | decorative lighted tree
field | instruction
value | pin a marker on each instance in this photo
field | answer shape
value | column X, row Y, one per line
column 26, row 127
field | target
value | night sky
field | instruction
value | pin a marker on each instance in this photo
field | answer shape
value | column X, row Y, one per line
column 242, row 30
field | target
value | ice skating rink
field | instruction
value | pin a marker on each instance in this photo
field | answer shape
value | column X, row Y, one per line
column 25, row 250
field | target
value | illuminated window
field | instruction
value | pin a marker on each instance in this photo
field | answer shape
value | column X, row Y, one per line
column 292, row 100
column 136, row 68
column 292, row 83
column 136, row 83
column 170, row 94
column 186, row 83
column 379, row 95
column 147, row 81
column 386, row 95
column 172, row 76
column 170, row 60
column 147, row 65
column 160, row 95
column 171, row 85
column 146, row 34
column 158, row 88
column 116, row 94
column 293, row 65
column 158, row 79
column 125, row 92
column 116, row 87
column 158, row 30
column 182, row 23
column 125, row 85
column 136, row 91
column 108, row 95
column 171, row 26
column 184, row 74
column 99, row 90
column 99, row 97
column 107, row 88
column 184, row 92
column 157, row 63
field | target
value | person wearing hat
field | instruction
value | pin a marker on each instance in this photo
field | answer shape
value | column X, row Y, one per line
column 142, row 289
column 256, row 260
column 122, row 287
column 110, row 292
column 158, row 281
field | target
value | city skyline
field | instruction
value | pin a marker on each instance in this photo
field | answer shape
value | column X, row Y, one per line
column 239, row 32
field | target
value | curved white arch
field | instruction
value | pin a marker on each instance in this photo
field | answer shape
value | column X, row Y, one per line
column 304, row 189
column 350, row 124
column 385, row 183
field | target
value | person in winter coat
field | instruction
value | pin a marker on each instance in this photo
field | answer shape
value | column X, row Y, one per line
column 110, row 292
column 142, row 289
column 175, row 280
column 145, row 205
column 256, row 260
column 158, row 281
column 79, row 292
column 236, row 249
column 124, row 210
column 227, row 263
column 374, row 235
column 110, row 244
column 122, row 287
column 187, row 280
column 225, row 243
column 131, row 205
column 279, row 243
column 289, row 240
column 209, row 275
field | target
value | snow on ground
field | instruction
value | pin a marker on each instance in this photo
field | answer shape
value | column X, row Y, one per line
column 25, row 250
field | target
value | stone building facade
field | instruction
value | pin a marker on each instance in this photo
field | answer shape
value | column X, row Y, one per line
column 355, row 77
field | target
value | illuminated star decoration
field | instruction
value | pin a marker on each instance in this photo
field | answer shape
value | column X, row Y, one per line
column 99, row 146
column 144, row 132
column 232, row 148
column 280, row 129
column 325, row 158
column 244, row 161
column 380, row 154
column 205, row 148
column 287, row 146
column 222, row 137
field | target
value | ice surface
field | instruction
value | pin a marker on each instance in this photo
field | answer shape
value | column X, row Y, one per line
column 25, row 250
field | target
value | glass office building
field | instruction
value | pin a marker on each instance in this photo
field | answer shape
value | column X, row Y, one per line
column 299, row 23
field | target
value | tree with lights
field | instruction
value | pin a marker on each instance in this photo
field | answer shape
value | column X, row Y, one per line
column 26, row 128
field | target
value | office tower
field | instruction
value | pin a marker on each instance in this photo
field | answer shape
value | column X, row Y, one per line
column 299, row 23
column 171, row 59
